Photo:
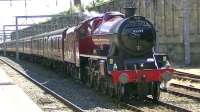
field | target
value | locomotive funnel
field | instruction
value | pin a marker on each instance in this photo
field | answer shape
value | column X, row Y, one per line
column 130, row 11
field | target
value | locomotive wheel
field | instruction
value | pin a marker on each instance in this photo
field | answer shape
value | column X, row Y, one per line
column 104, row 86
column 75, row 72
column 156, row 91
column 142, row 90
column 92, row 75
column 121, row 93
column 98, row 80
column 91, row 80
column 84, row 74
column 95, row 80
column 111, row 92
column 69, row 69
column 72, row 69
column 110, row 88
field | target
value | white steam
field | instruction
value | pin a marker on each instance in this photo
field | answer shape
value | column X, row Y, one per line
column 89, row 14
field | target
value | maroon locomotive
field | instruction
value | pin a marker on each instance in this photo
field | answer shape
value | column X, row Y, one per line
column 113, row 53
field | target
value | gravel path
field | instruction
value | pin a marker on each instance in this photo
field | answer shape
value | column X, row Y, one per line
column 45, row 101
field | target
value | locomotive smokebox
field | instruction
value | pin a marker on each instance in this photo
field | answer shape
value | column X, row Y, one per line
column 130, row 11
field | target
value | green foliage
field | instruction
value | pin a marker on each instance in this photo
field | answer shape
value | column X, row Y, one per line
column 96, row 3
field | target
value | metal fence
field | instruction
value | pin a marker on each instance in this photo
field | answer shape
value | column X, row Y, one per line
column 51, row 25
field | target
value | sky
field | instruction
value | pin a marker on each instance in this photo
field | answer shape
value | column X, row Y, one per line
column 8, row 10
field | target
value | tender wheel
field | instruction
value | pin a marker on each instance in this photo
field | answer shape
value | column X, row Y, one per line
column 91, row 81
column 84, row 74
column 156, row 91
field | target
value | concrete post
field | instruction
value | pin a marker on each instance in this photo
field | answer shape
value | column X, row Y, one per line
column 186, row 36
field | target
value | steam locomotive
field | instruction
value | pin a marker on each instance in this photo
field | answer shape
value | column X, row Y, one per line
column 113, row 53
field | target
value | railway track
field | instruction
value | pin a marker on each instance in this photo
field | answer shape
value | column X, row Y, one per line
column 185, row 91
column 47, row 90
column 170, row 106
column 149, row 101
column 185, row 87
column 128, row 106
column 186, row 76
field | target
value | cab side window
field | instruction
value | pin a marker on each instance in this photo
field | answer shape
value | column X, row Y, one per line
column 82, row 33
column 85, row 30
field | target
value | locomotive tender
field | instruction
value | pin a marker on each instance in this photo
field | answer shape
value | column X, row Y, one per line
column 113, row 53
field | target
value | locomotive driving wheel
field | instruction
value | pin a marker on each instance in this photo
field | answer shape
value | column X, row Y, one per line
column 90, row 80
column 120, row 92
column 156, row 91
column 91, row 74
column 110, row 87
column 104, row 86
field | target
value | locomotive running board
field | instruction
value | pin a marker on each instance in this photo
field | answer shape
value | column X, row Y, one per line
column 94, row 57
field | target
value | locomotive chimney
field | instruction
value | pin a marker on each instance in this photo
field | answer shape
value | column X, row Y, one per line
column 130, row 11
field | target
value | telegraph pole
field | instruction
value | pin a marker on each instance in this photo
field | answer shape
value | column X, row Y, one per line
column 186, row 36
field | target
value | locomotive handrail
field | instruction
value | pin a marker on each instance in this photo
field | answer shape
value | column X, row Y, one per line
column 95, row 57
column 155, row 59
